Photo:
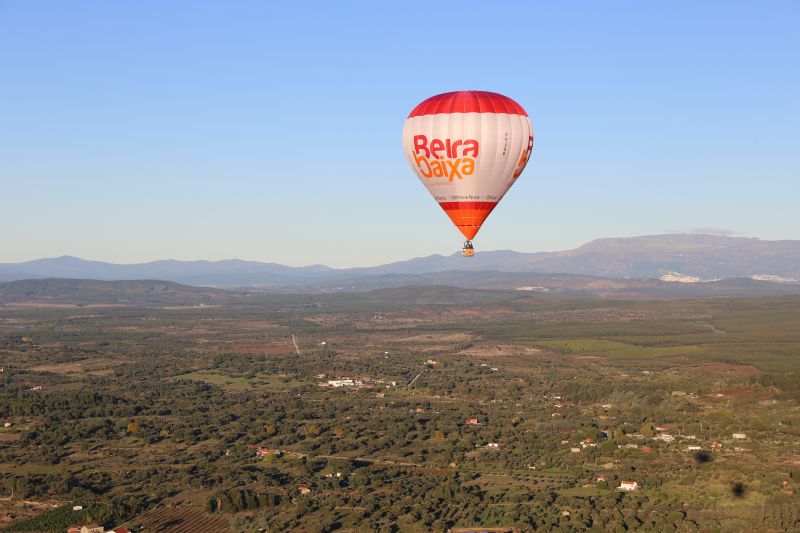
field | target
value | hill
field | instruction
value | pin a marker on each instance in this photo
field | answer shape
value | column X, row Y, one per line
column 87, row 292
column 378, row 292
column 679, row 256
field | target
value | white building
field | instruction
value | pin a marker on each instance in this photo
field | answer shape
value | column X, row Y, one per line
column 345, row 382
column 628, row 486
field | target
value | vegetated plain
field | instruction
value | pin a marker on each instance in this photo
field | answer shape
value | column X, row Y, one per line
column 466, row 408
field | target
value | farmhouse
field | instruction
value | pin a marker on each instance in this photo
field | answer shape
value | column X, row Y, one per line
column 344, row 382
column 472, row 421
column 628, row 486
column 664, row 437
column 268, row 452
column 739, row 436
column 261, row 451
column 303, row 489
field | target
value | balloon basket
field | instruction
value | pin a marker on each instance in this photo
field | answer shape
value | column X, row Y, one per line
column 468, row 250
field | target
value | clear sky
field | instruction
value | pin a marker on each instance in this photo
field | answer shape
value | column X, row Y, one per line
column 270, row 131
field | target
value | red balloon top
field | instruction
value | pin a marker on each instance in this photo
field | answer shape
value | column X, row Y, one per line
column 468, row 102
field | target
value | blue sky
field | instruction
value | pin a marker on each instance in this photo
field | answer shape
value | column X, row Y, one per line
column 141, row 130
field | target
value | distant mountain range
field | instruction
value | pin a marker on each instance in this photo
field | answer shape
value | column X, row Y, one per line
column 673, row 258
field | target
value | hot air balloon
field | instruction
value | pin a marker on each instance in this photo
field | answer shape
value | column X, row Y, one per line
column 468, row 148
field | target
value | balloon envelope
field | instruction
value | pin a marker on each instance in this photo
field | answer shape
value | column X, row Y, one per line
column 468, row 148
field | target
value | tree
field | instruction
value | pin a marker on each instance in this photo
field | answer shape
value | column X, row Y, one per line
column 608, row 447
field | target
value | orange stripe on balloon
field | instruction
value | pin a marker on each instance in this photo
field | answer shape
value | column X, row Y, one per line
column 468, row 216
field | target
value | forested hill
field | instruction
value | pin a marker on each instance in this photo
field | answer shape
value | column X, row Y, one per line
column 449, row 288
column 83, row 291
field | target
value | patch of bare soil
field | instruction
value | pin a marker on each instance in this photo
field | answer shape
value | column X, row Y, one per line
column 12, row 509
column 179, row 520
column 254, row 347
column 438, row 337
column 191, row 496
column 6, row 437
column 716, row 368
column 499, row 350
column 90, row 366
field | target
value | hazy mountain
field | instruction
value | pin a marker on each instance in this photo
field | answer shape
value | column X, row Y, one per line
column 230, row 272
column 705, row 257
